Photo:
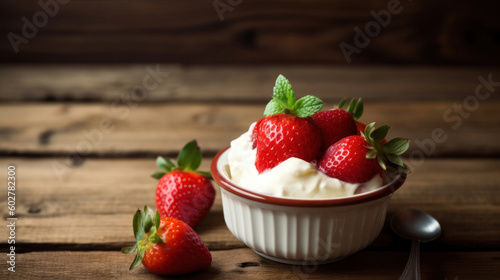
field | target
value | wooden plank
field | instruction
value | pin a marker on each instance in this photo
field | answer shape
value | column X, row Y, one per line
column 254, row 32
column 245, row 264
column 149, row 129
column 216, row 84
column 96, row 200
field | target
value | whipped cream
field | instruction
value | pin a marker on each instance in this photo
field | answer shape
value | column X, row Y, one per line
column 293, row 177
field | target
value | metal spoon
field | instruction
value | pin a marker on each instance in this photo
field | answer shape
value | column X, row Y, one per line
column 419, row 227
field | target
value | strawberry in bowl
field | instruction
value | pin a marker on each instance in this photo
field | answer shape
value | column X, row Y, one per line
column 357, row 158
column 297, row 206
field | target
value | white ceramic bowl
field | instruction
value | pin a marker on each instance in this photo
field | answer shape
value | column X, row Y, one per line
column 295, row 231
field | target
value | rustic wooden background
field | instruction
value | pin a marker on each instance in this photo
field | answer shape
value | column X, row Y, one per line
column 82, row 66
column 254, row 32
column 51, row 105
column 75, row 204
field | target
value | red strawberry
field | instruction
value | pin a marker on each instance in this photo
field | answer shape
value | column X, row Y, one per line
column 346, row 160
column 287, row 131
column 255, row 132
column 182, row 192
column 357, row 158
column 335, row 124
column 166, row 246
column 283, row 136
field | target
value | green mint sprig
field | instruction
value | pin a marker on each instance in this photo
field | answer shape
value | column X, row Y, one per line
column 284, row 101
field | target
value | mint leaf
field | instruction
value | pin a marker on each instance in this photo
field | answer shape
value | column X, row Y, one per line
column 283, row 92
column 307, row 106
column 273, row 107
column 284, row 101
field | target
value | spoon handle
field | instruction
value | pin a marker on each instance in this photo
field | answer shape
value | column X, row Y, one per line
column 412, row 269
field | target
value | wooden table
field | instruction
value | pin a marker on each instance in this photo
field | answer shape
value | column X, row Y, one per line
column 83, row 139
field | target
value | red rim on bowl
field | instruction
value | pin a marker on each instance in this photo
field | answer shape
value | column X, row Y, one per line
column 229, row 186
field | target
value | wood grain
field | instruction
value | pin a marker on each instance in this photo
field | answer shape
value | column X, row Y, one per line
column 245, row 264
column 79, row 183
column 254, row 32
column 94, row 203
column 149, row 129
column 233, row 84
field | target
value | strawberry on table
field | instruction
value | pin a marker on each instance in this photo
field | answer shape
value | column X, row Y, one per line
column 358, row 158
column 287, row 129
column 183, row 192
column 166, row 245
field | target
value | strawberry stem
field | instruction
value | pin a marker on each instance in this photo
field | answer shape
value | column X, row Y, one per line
column 355, row 107
column 385, row 154
column 145, row 232
column 189, row 159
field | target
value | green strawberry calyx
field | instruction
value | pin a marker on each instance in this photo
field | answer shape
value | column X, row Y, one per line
column 355, row 107
column 284, row 101
column 189, row 159
column 389, row 153
column 145, row 232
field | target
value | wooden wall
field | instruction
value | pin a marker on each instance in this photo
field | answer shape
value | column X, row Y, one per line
column 252, row 32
